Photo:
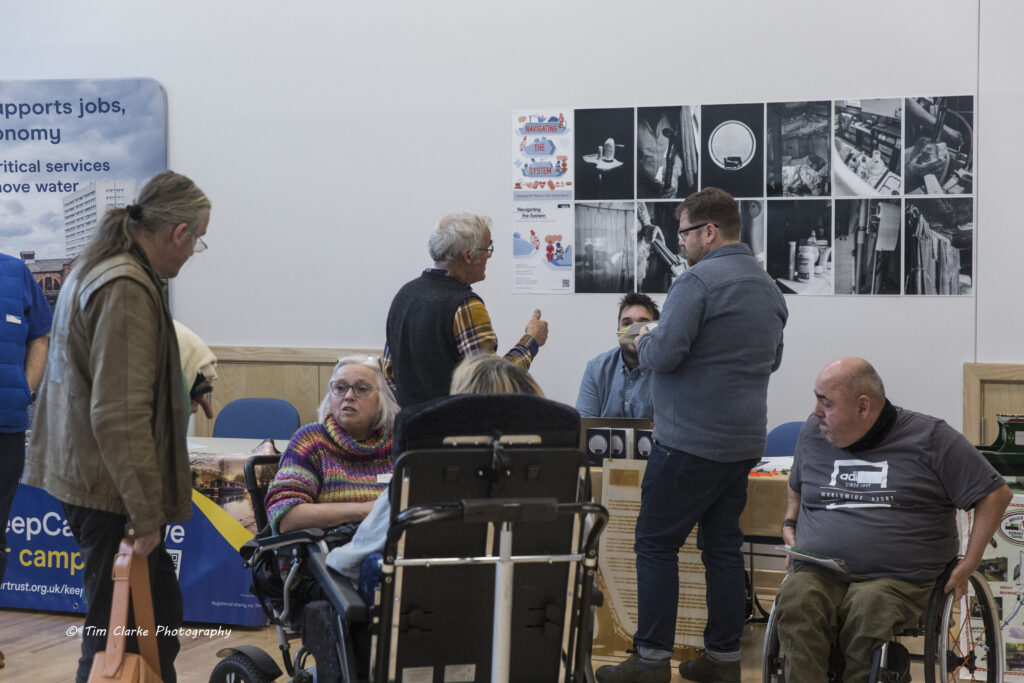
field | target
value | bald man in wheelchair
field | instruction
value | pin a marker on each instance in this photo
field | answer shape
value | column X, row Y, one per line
column 876, row 487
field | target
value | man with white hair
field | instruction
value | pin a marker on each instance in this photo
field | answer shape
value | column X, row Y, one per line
column 437, row 319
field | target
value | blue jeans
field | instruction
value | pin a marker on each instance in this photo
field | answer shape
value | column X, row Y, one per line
column 678, row 491
column 12, row 462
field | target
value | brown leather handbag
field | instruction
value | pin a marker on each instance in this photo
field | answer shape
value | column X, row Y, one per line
column 131, row 576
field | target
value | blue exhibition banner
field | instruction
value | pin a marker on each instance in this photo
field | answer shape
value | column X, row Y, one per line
column 44, row 567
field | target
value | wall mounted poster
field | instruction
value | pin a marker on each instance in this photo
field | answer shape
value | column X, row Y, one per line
column 542, row 161
column 69, row 149
column 847, row 197
column 542, row 248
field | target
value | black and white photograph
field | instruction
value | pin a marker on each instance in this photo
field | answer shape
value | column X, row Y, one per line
column 867, row 147
column 604, row 153
column 799, row 234
column 732, row 148
column 797, row 140
column 667, row 144
column 939, row 154
column 867, row 253
column 752, row 227
column 1014, row 656
column 659, row 258
column 605, row 247
column 940, row 245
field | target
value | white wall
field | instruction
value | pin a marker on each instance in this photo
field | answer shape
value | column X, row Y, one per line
column 331, row 135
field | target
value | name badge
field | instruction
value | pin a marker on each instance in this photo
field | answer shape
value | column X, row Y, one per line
column 13, row 319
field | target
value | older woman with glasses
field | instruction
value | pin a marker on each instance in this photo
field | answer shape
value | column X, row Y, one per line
column 334, row 469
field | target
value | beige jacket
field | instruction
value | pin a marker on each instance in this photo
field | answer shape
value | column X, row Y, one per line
column 109, row 430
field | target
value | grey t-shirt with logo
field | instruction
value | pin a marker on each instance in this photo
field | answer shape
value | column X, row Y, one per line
column 890, row 510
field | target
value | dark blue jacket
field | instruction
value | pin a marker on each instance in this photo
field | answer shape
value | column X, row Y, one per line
column 25, row 316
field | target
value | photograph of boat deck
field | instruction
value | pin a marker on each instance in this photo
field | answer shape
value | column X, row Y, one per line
column 867, row 147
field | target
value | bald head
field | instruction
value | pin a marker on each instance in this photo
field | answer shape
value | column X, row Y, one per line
column 850, row 397
column 857, row 376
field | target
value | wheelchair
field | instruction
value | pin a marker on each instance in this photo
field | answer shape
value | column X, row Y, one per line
column 959, row 645
column 488, row 568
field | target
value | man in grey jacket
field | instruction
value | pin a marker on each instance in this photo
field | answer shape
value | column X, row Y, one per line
column 718, row 341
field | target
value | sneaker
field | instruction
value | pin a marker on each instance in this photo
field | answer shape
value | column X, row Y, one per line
column 704, row 669
column 636, row 670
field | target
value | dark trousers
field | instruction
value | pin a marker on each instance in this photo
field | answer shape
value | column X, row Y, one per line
column 12, row 462
column 99, row 535
column 680, row 490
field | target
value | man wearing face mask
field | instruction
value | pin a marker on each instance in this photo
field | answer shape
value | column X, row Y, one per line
column 717, row 343
column 613, row 384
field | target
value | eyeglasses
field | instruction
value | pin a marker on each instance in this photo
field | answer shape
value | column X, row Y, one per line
column 340, row 389
column 683, row 231
column 199, row 246
column 489, row 249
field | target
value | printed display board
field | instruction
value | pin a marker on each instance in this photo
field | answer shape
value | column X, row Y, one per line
column 69, row 149
column 837, row 197
column 1003, row 566
column 44, row 566
column 616, row 619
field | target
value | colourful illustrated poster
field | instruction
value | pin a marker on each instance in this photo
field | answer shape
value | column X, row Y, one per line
column 542, row 248
column 542, row 155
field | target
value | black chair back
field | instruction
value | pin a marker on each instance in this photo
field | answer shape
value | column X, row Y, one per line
column 257, row 490
column 438, row 617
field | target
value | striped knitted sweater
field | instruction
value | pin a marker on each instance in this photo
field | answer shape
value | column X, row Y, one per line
column 323, row 464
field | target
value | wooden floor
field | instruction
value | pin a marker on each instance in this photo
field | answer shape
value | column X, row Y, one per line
column 38, row 648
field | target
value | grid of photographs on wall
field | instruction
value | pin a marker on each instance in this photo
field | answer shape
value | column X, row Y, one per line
column 837, row 197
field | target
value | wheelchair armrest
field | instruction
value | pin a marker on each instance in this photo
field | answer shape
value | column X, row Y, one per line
column 337, row 590
column 260, row 544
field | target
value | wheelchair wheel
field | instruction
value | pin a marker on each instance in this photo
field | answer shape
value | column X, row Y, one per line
column 771, row 662
column 963, row 645
column 238, row 668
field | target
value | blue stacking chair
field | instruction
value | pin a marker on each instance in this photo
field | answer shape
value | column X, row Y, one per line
column 781, row 442
column 257, row 418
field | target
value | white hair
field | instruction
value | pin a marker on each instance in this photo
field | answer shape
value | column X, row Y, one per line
column 457, row 232
column 387, row 406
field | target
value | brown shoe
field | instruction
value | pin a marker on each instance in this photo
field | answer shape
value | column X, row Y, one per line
column 1, row 659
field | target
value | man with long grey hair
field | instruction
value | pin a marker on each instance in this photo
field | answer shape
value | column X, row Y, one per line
column 108, row 439
column 437, row 319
